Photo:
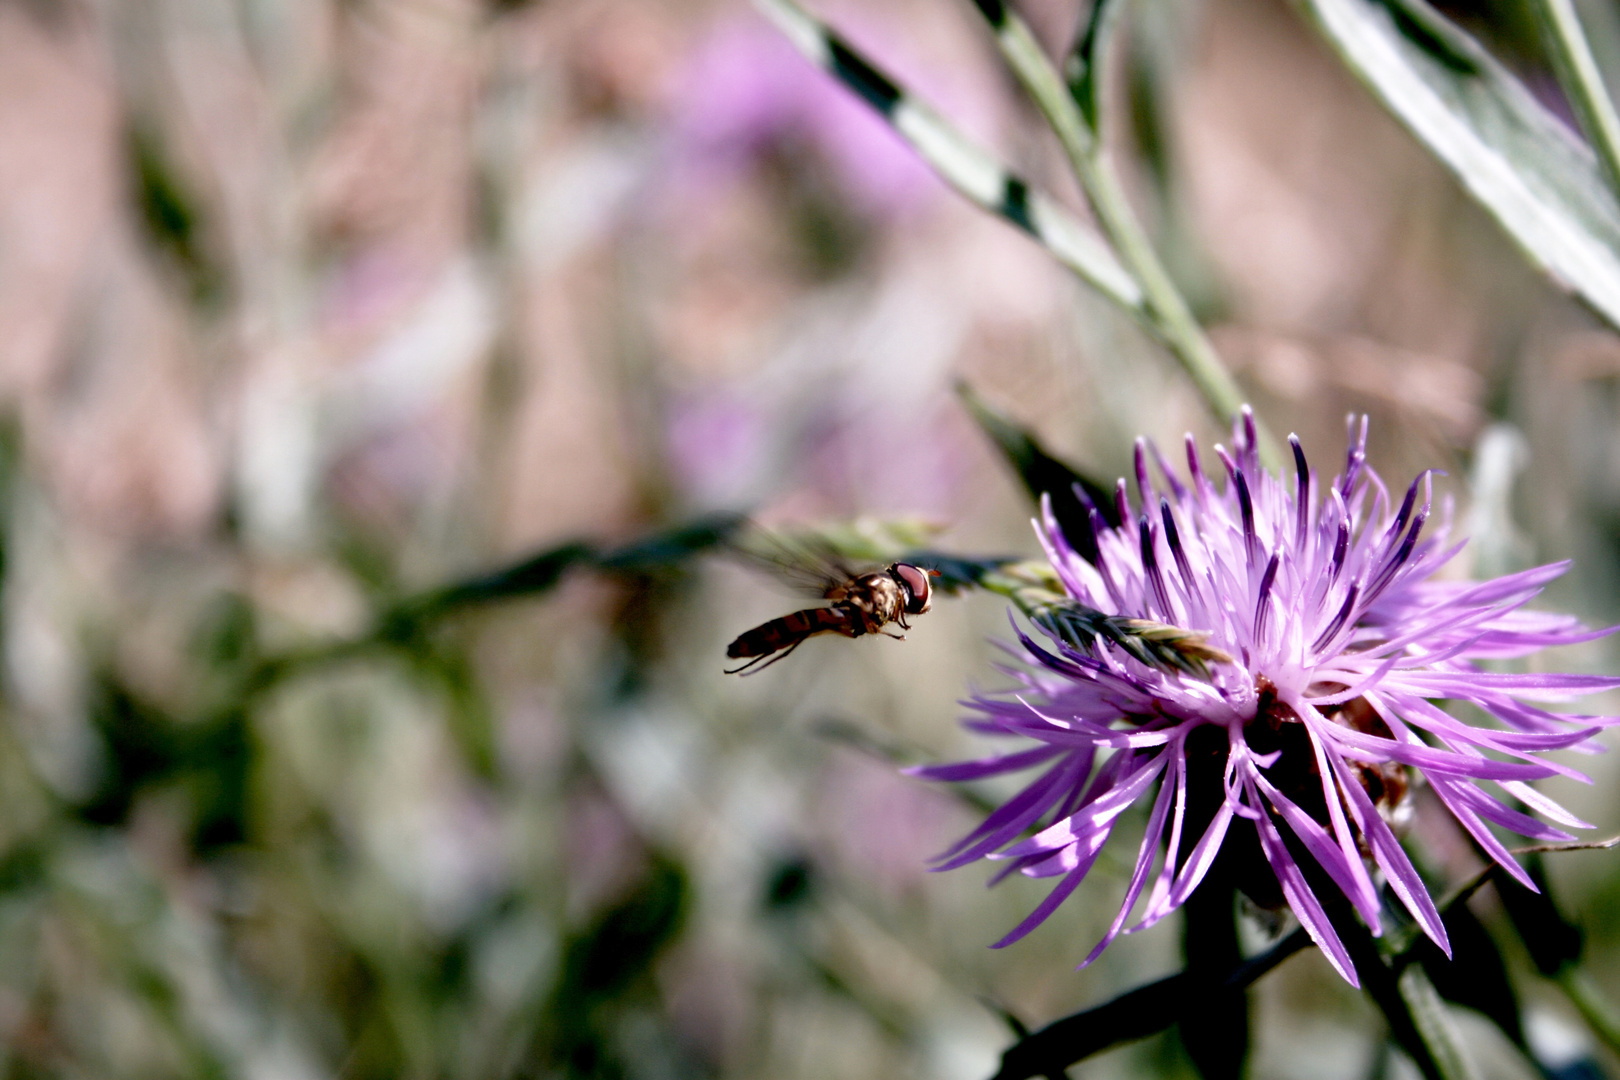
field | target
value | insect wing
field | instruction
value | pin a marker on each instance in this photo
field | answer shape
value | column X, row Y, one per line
column 808, row 564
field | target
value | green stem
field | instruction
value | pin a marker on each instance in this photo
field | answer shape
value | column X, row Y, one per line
column 409, row 618
column 1417, row 1020
column 1582, row 82
column 1168, row 312
column 1433, row 1025
column 960, row 162
column 1597, row 1012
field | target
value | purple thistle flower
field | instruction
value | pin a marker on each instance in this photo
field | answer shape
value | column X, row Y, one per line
column 1300, row 749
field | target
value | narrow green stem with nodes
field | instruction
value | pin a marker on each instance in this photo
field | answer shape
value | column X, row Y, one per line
column 1582, row 82
column 1169, row 315
column 963, row 164
column 1121, row 264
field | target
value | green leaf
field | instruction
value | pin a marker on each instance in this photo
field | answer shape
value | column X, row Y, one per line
column 530, row 576
column 171, row 213
column 666, row 549
column 1514, row 157
column 403, row 623
column 1435, row 1028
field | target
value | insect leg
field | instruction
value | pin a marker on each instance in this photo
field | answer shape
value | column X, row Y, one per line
column 783, row 655
column 743, row 668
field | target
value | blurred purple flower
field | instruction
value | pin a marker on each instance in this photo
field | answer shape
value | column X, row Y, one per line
column 717, row 445
column 747, row 89
column 1343, row 641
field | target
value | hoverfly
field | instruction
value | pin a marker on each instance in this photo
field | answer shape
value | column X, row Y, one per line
column 860, row 604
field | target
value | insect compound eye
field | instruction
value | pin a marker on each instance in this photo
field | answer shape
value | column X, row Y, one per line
column 915, row 579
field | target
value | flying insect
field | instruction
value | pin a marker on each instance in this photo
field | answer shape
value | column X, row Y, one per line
column 859, row 604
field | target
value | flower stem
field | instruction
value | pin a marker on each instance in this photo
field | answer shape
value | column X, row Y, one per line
column 1168, row 313
column 1433, row 1025
column 1216, row 1035
column 1403, row 993
column 1582, row 82
column 1597, row 1012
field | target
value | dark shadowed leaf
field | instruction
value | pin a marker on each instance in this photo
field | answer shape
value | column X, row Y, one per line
column 171, row 213
column 1043, row 474
column 24, row 866
column 538, row 573
column 1082, row 74
column 1533, row 175
column 1401, row 992
column 527, row 577
column 669, row 548
column 1474, row 976
column 209, row 763
column 789, row 885
column 1551, row 940
column 606, row 972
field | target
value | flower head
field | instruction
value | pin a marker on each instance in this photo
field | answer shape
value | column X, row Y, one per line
column 1297, row 755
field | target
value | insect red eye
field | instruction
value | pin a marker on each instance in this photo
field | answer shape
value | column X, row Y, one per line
column 915, row 579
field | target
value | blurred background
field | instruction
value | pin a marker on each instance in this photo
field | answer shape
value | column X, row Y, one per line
column 309, row 305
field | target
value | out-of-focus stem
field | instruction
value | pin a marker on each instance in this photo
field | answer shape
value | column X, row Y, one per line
column 1434, row 1027
column 1582, row 82
column 1169, row 314
column 1597, row 1012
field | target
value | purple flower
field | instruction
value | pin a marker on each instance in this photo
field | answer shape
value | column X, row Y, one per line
column 746, row 88
column 1301, row 749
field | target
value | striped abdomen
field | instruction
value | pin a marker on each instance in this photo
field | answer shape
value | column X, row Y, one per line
column 789, row 630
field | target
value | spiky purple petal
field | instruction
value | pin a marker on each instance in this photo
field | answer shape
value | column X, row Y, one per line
column 1344, row 639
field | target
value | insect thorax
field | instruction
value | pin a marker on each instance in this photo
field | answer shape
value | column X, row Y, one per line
column 876, row 599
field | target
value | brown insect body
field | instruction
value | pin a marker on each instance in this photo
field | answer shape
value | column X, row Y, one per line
column 861, row 605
